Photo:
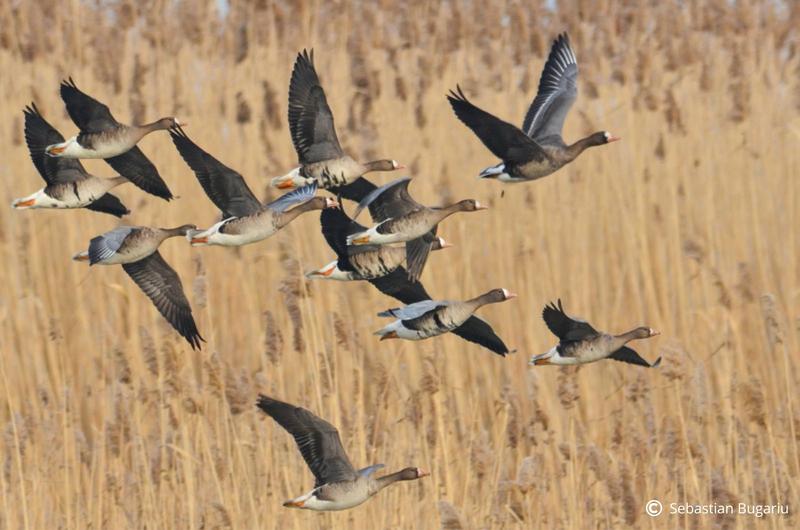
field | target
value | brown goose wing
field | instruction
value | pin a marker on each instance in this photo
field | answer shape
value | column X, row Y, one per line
column 109, row 203
column 397, row 285
column 627, row 355
column 162, row 285
column 225, row 187
column 355, row 191
column 317, row 440
column 480, row 332
column 390, row 200
column 506, row 141
column 417, row 252
column 136, row 167
column 38, row 135
column 310, row 117
column 88, row 114
column 558, row 89
column 564, row 327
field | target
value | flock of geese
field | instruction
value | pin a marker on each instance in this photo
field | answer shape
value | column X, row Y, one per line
column 390, row 255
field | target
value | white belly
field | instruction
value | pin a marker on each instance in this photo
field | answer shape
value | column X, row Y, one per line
column 105, row 150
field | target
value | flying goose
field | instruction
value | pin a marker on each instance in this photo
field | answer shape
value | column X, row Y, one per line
column 580, row 343
column 314, row 136
column 68, row 183
column 136, row 249
column 338, row 485
column 538, row 149
column 398, row 285
column 363, row 262
column 430, row 318
column 102, row 136
column 402, row 219
column 244, row 219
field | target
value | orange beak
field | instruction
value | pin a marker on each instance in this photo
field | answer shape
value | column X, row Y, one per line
column 613, row 139
column 286, row 185
column 423, row 473
column 539, row 362
column 199, row 240
column 81, row 257
column 361, row 240
column 24, row 204
column 53, row 150
column 390, row 335
column 294, row 504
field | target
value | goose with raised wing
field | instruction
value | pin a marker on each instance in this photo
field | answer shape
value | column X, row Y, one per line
column 102, row 136
column 338, row 485
column 430, row 318
column 537, row 149
column 580, row 343
column 363, row 262
column 244, row 219
column 401, row 219
column 136, row 249
column 68, row 183
column 322, row 159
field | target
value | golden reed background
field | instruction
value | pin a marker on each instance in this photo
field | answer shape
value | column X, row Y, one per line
column 688, row 225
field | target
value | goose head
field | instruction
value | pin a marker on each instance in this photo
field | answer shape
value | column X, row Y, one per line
column 439, row 243
column 470, row 205
column 412, row 473
column 180, row 230
column 170, row 123
column 644, row 333
column 498, row 295
column 605, row 137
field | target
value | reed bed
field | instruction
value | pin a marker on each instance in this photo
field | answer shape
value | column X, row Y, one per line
column 688, row 225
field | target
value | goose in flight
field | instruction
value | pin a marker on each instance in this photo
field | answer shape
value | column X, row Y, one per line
column 338, row 485
column 580, row 343
column 136, row 249
column 430, row 318
column 244, row 219
column 102, row 136
column 68, row 183
column 322, row 159
column 537, row 149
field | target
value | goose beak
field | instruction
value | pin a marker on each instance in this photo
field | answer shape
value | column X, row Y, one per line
column 540, row 362
column 81, row 256
column 390, row 335
column 422, row 473
column 360, row 240
column 653, row 332
column 181, row 123
column 479, row 206
column 285, row 185
column 21, row 203
column 54, row 150
column 321, row 272
column 199, row 240
column 445, row 244
column 294, row 504
column 613, row 139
